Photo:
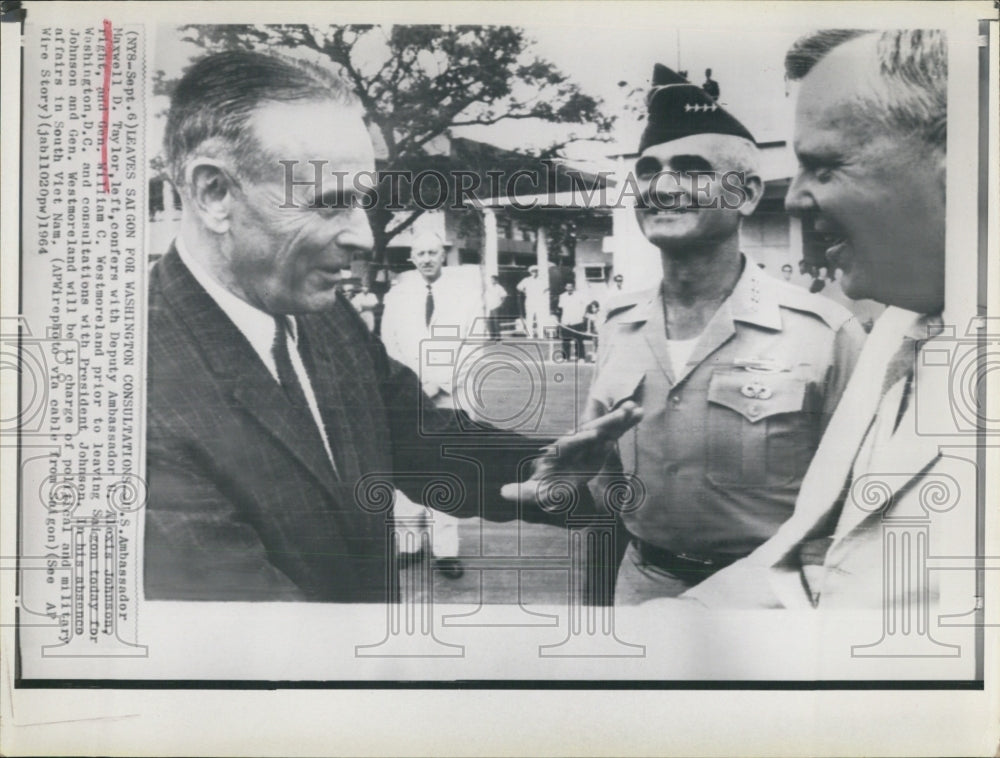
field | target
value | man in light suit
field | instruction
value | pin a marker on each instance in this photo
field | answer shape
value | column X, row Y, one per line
column 536, row 302
column 435, row 301
column 274, row 415
column 870, row 139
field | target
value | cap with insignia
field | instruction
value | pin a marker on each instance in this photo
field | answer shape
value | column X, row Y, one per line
column 677, row 108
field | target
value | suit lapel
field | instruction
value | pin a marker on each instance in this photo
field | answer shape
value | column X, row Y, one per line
column 231, row 357
column 336, row 376
column 263, row 399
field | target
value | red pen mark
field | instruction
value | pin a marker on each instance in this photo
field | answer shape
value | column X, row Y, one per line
column 106, row 105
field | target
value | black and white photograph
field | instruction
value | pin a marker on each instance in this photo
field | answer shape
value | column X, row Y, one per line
column 447, row 349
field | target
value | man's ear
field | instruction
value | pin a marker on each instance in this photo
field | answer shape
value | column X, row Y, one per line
column 753, row 193
column 211, row 191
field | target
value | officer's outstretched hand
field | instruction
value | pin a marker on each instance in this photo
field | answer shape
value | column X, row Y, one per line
column 575, row 457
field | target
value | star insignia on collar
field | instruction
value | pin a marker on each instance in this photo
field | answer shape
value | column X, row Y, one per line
column 700, row 107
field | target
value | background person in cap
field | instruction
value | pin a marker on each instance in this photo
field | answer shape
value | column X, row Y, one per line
column 736, row 372
column 536, row 302
column 615, row 289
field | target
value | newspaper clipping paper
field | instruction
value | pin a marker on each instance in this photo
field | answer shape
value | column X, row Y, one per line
column 174, row 513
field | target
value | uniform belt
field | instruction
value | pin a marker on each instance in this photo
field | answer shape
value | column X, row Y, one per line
column 694, row 567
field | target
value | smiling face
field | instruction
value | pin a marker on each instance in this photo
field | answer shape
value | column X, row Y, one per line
column 693, row 191
column 877, row 195
column 288, row 260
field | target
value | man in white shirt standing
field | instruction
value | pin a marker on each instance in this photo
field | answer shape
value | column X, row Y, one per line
column 572, row 320
column 496, row 293
column 536, row 302
column 434, row 303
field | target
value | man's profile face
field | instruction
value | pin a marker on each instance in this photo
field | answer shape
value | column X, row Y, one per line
column 288, row 260
column 619, row 280
column 786, row 271
column 878, row 196
column 570, row 288
column 685, row 192
column 428, row 259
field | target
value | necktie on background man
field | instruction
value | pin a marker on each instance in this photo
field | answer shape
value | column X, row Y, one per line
column 429, row 306
column 288, row 378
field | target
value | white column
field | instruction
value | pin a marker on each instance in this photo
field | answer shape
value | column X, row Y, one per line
column 542, row 255
column 490, row 251
column 542, row 261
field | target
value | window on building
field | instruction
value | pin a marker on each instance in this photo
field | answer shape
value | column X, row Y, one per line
column 765, row 229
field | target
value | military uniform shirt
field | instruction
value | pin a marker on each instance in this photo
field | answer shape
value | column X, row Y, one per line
column 724, row 441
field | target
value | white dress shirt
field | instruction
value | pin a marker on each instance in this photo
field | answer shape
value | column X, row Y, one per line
column 573, row 307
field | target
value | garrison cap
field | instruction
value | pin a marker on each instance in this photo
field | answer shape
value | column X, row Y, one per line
column 677, row 108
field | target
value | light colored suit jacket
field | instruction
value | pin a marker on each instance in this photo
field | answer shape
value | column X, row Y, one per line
column 911, row 493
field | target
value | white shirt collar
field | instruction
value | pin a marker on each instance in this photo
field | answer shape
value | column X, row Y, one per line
column 256, row 325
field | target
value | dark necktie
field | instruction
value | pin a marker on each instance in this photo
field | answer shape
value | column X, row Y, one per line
column 429, row 306
column 289, row 380
column 287, row 377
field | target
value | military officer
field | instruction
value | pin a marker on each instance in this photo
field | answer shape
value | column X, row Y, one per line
column 735, row 372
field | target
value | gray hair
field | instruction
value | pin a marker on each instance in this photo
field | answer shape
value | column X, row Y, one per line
column 913, row 72
column 211, row 106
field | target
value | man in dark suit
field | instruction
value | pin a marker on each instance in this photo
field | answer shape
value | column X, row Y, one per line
column 274, row 416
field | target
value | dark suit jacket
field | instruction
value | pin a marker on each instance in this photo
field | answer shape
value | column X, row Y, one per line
column 243, row 503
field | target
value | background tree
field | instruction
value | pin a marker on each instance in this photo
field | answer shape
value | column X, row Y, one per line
column 417, row 82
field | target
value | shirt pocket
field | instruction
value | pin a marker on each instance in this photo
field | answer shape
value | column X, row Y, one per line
column 759, row 433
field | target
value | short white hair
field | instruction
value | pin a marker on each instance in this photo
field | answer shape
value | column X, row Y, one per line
column 911, row 91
